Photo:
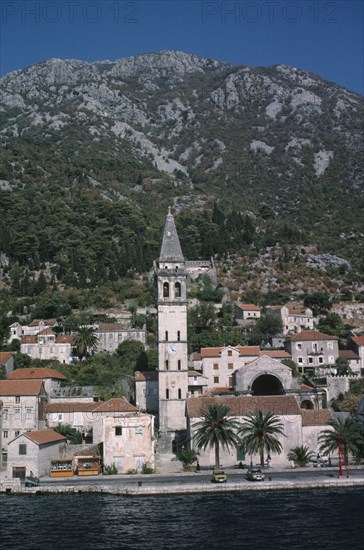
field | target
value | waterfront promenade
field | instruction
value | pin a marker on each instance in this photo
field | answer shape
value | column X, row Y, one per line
column 185, row 483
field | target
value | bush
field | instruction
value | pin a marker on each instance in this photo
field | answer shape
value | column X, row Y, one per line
column 110, row 470
column 147, row 469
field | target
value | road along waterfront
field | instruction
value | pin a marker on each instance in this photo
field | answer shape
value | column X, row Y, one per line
column 155, row 484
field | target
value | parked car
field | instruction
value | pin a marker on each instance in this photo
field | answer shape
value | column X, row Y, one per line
column 31, row 481
column 255, row 474
column 319, row 461
column 218, row 476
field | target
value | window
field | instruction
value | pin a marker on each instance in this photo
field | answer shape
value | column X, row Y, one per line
column 330, row 345
column 17, row 432
column 167, row 364
column 230, row 352
column 165, row 290
column 216, row 366
column 216, row 379
column 240, row 454
column 230, row 365
column 177, row 290
column 17, row 414
column 5, row 434
column 178, row 336
column 17, row 399
column 298, row 346
column 321, row 360
column 28, row 413
column 179, row 364
column 310, row 360
column 331, row 360
column 166, row 336
column 118, row 430
column 5, row 414
column 167, row 393
column 179, row 394
column 299, row 359
column 138, row 430
column 22, row 449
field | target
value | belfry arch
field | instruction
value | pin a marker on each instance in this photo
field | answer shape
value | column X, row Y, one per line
column 267, row 384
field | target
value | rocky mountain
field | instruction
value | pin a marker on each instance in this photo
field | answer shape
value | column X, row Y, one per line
column 276, row 144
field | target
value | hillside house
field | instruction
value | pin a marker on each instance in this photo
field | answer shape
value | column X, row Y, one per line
column 23, row 408
column 7, row 361
column 32, row 452
column 51, row 378
column 47, row 345
column 17, row 331
column 111, row 335
column 218, row 364
column 146, row 390
column 77, row 414
column 294, row 319
column 247, row 312
column 356, row 344
column 311, row 349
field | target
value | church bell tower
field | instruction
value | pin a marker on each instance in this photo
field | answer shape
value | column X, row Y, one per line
column 172, row 337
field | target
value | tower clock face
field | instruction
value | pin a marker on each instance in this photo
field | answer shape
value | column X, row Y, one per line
column 172, row 350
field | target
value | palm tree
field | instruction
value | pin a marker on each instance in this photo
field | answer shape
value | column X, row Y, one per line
column 84, row 340
column 187, row 458
column 346, row 433
column 300, row 456
column 217, row 428
column 259, row 432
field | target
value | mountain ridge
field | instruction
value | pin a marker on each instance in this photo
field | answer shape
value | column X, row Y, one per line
column 276, row 143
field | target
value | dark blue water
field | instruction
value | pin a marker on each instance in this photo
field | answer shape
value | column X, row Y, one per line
column 323, row 520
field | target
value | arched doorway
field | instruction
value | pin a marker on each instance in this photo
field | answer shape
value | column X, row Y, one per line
column 267, row 384
column 307, row 404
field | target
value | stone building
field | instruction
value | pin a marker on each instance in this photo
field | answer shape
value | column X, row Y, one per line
column 311, row 348
column 32, row 452
column 51, row 378
column 294, row 318
column 247, row 312
column 47, row 345
column 110, row 335
column 7, row 361
column 17, row 331
column 23, row 408
column 284, row 406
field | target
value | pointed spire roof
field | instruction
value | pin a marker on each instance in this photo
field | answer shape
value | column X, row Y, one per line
column 171, row 249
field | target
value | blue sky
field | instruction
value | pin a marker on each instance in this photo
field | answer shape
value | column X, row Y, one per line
column 321, row 36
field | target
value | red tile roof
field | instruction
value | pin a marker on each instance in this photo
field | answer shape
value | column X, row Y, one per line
column 243, row 351
column 348, row 354
column 72, row 407
column 20, row 387
column 312, row 335
column 23, row 374
column 146, row 375
column 116, row 404
column 5, row 356
column 304, row 387
column 243, row 405
column 47, row 331
column 29, row 340
column 63, row 339
column 195, row 373
column 276, row 354
column 47, row 322
column 315, row 417
column 359, row 340
column 249, row 307
column 45, row 436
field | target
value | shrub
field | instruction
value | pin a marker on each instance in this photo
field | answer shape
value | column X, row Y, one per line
column 110, row 470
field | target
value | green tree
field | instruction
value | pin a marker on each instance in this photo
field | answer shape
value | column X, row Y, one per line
column 84, row 341
column 259, row 433
column 216, row 429
column 132, row 355
column 187, row 457
column 346, row 433
column 319, row 302
column 300, row 456
column 72, row 435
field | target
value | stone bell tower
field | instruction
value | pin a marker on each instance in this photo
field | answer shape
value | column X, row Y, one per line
column 172, row 338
